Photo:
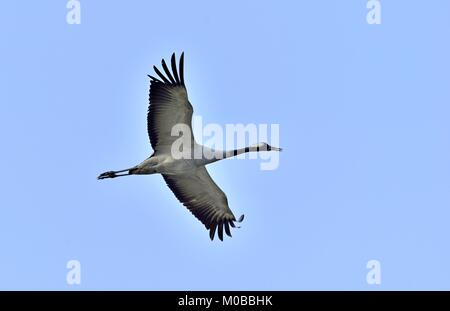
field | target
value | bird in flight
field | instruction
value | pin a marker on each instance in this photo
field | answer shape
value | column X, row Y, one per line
column 186, row 176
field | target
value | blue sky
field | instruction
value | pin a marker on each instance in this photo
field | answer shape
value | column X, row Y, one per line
column 363, row 113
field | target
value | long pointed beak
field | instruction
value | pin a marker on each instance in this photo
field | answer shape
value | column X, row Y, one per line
column 277, row 149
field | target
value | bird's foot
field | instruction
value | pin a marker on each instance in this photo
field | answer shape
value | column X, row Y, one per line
column 109, row 174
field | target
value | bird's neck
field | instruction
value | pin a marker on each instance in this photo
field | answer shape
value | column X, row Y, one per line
column 211, row 155
column 237, row 152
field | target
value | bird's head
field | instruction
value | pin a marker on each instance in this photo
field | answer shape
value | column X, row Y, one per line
column 267, row 147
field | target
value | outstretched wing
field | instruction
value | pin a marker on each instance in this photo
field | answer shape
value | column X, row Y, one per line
column 201, row 195
column 169, row 105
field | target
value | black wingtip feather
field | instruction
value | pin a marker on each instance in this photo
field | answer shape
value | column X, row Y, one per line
column 220, row 225
column 227, row 229
column 171, row 77
column 160, row 75
column 182, row 68
column 241, row 219
column 167, row 71
column 174, row 68
column 154, row 79
column 212, row 231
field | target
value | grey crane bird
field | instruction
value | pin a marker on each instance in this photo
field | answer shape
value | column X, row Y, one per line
column 186, row 177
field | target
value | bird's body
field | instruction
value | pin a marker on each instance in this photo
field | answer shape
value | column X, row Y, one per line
column 164, row 164
column 184, row 168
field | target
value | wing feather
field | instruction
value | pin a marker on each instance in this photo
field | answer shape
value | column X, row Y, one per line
column 167, row 71
column 174, row 68
column 169, row 106
column 204, row 199
column 182, row 68
column 161, row 75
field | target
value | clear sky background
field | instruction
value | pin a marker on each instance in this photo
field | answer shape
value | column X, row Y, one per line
column 364, row 119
